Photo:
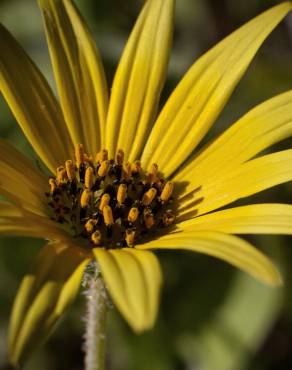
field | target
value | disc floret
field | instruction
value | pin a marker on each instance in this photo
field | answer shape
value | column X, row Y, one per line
column 108, row 202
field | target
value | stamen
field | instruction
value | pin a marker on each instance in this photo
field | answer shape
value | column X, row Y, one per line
column 101, row 156
column 88, row 159
column 105, row 199
column 90, row 225
column 53, row 186
column 152, row 175
column 148, row 219
column 79, row 154
column 88, row 182
column 154, row 169
column 127, row 171
column 168, row 218
column 108, row 216
column 60, row 169
column 61, row 175
column 120, row 157
column 122, row 194
column 85, row 198
column 130, row 237
column 96, row 237
column 149, row 196
column 70, row 170
column 133, row 214
column 167, row 191
column 136, row 167
column 103, row 169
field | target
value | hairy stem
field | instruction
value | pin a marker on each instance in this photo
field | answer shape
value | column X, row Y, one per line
column 95, row 334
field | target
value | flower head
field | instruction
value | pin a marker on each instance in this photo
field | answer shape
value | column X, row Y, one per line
column 122, row 181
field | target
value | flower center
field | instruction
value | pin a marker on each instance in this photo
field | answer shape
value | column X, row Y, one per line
column 107, row 202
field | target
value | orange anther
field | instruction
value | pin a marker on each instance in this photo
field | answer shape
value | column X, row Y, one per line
column 85, row 198
column 149, row 220
column 79, row 154
column 149, row 196
column 130, row 237
column 90, row 225
column 122, row 193
column 167, row 191
column 102, row 171
column 108, row 216
column 120, row 157
column 96, row 237
column 88, row 181
column 105, row 199
column 133, row 214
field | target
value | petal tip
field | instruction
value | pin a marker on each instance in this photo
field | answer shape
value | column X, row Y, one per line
column 274, row 278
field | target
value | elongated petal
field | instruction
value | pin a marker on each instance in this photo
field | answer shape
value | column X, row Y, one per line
column 17, row 221
column 43, row 297
column 260, row 128
column 249, row 178
column 133, row 279
column 20, row 181
column 201, row 95
column 251, row 219
column 33, row 103
column 139, row 79
column 78, row 72
column 229, row 248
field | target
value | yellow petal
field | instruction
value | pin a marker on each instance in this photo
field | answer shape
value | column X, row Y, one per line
column 133, row 279
column 17, row 221
column 260, row 128
column 20, row 181
column 8, row 210
column 78, row 72
column 229, row 248
column 201, row 95
column 139, row 79
column 43, row 297
column 33, row 103
column 248, row 179
column 251, row 219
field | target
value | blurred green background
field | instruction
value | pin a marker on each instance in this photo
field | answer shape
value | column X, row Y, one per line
column 211, row 316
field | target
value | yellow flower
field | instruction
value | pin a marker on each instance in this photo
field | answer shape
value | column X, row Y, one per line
column 104, row 204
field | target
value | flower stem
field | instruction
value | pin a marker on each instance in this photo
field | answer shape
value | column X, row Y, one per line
column 95, row 334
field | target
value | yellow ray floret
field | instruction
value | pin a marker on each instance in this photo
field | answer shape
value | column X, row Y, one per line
column 133, row 279
column 204, row 90
column 78, row 72
column 139, row 79
column 229, row 248
column 32, row 103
